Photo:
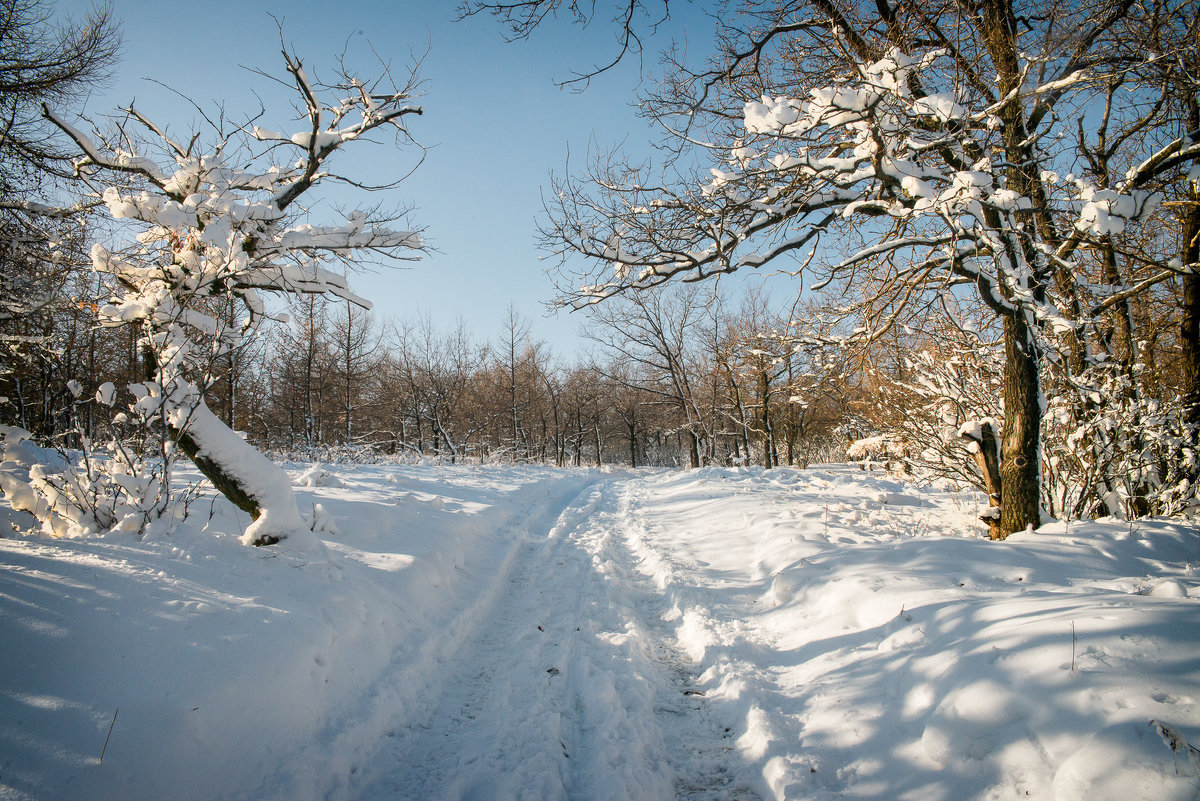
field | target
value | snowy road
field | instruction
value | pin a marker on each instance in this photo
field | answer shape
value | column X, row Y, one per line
column 570, row 687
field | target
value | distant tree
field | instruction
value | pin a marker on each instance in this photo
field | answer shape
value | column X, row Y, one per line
column 655, row 334
column 439, row 368
column 301, row 366
column 552, row 418
column 513, row 351
column 629, row 406
column 756, row 358
column 819, row 371
column 356, row 351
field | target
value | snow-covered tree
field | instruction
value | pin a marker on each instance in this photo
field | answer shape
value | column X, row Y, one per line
column 918, row 149
column 225, row 224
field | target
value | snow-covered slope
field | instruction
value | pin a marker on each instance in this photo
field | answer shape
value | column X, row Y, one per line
column 496, row 633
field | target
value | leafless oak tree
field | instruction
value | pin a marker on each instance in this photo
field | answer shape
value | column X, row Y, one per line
column 929, row 149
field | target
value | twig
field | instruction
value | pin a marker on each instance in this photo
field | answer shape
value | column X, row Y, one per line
column 110, row 728
column 1179, row 746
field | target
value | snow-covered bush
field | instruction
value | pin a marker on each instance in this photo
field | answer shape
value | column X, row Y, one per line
column 122, row 484
column 1107, row 448
column 881, row 449
column 1112, row 450
column 940, row 390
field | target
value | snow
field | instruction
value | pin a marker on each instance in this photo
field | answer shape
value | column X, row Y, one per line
column 1106, row 212
column 106, row 393
column 942, row 105
column 772, row 115
column 526, row 632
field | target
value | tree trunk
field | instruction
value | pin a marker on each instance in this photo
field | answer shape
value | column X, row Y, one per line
column 250, row 481
column 1020, row 440
column 987, row 458
column 764, row 398
column 1190, row 314
column 693, row 449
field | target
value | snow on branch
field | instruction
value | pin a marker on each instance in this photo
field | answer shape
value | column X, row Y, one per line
column 43, row 210
column 905, row 157
column 226, row 228
column 117, row 161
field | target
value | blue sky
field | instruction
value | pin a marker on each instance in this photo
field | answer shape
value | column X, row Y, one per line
column 494, row 120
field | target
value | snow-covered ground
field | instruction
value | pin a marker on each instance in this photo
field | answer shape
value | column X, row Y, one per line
column 531, row 633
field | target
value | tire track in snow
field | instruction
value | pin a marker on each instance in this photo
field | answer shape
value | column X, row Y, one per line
column 713, row 621
column 341, row 760
column 570, row 690
column 706, row 764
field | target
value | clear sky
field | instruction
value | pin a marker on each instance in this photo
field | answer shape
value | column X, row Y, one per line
column 494, row 120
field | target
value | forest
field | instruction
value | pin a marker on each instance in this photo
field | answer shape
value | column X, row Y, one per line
column 982, row 224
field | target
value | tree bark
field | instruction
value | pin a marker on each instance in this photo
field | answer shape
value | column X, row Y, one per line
column 1020, row 441
column 693, row 449
column 1190, row 314
column 987, row 457
column 224, row 483
column 248, row 479
column 632, row 426
column 266, row 475
column 768, row 435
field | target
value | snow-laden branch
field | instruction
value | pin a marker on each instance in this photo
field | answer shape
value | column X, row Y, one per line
column 902, row 145
column 117, row 161
column 319, row 142
column 43, row 210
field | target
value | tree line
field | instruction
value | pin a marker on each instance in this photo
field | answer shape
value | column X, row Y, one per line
column 683, row 379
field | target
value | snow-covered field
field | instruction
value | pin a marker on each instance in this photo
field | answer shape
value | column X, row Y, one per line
column 531, row 633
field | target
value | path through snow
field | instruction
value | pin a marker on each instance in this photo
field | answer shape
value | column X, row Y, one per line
column 571, row 686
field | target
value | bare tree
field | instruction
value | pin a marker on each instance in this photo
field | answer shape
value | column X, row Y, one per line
column 513, row 351
column 356, row 357
column 654, row 334
column 440, row 367
column 929, row 144
column 43, row 58
column 632, row 19
column 630, row 405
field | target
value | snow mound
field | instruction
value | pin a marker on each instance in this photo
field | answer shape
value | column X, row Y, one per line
column 318, row 476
